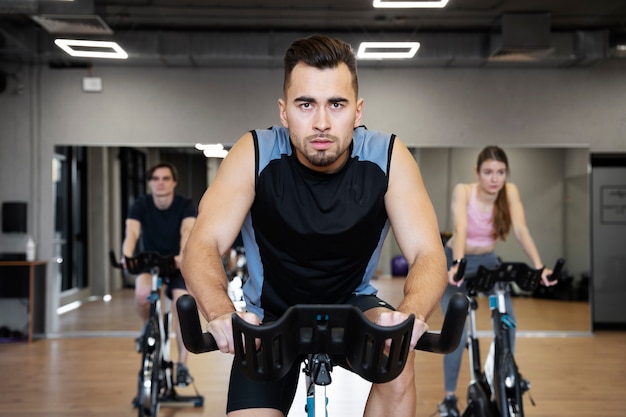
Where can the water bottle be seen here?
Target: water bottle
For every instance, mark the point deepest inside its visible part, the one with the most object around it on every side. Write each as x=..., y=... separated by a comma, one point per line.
x=30, y=249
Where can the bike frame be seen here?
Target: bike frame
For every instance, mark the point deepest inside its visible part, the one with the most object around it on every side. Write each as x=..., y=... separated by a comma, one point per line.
x=507, y=380
x=155, y=385
x=478, y=391
x=508, y=385
x=317, y=371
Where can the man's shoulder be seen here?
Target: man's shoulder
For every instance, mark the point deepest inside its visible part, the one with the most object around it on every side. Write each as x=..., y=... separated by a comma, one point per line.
x=142, y=201
x=275, y=136
x=140, y=207
x=187, y=205
x=372, y=146
x=182, y=198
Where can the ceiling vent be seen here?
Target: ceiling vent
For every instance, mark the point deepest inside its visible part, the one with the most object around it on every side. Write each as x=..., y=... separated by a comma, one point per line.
x=73, y=24
x=524, y=37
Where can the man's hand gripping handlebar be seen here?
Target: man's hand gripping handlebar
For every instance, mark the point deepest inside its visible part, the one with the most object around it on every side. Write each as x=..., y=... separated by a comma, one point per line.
x=376, y=353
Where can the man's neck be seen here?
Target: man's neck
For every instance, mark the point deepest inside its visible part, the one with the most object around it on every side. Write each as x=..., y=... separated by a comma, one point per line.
x=163, y=202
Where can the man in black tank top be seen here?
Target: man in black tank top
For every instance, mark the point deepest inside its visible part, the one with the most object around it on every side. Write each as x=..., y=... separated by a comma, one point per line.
x=314, y=199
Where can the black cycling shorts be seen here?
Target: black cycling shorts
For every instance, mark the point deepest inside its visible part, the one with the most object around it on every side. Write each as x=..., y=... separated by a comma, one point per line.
x=245, y=393
x=173, y=282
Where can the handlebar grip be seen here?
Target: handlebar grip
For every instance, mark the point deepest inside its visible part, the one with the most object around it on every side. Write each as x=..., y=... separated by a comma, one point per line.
x=451, y=331
x=190, y=328
x=460, y=270
x=556, y=271
x=114, y=261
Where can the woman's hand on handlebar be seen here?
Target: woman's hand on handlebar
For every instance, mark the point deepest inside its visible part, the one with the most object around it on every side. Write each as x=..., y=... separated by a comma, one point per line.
x=456, y=273
x=546, y=276
x=222, y=329
x=452, y=276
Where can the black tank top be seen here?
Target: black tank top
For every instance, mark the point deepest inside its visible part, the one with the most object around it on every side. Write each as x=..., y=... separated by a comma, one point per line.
x=312, y=237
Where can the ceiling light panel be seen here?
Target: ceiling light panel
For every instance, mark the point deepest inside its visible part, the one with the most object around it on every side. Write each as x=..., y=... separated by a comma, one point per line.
x=387, y=50
x=91, y=49
x=435, y=4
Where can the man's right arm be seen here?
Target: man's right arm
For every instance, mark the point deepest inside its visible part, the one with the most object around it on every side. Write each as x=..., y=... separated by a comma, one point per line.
x=221, y=214
x=131, y=236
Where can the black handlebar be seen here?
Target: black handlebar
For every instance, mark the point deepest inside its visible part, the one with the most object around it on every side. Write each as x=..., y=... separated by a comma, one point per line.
x=267, y=352
x=526, y=278
x=460, y=270
x=145, y=261
x=556, y=271
x=114, y=262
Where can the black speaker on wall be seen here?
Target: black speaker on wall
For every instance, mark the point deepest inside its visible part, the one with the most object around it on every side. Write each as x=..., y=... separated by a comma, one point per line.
x=14, y=217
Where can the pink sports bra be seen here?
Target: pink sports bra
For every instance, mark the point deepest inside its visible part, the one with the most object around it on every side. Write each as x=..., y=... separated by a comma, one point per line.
x=479, y=224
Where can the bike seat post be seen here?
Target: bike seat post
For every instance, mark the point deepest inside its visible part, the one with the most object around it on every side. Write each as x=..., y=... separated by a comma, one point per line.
x=497, y=300
x=156, y=279
x=318, y=372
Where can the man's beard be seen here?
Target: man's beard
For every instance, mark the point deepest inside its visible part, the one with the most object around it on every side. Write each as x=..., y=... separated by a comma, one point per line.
x=321, y=158
x=325, y=157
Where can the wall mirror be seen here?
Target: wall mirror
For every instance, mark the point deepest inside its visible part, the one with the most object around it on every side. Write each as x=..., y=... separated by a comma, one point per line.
x=553, y=183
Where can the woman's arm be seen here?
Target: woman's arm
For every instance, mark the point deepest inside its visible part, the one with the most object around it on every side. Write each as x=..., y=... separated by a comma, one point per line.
x=458, y=208
x=521, y=231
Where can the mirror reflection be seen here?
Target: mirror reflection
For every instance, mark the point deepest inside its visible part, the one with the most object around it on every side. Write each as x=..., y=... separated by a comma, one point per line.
x=553, y=187
x=553, y=184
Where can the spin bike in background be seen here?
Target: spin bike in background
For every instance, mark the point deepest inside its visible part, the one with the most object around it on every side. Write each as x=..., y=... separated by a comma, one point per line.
x=237, y=274
x=318, y=335
x=155, y=381
x=497, y=392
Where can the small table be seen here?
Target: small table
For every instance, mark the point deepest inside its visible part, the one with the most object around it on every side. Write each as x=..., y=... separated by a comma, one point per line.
x=36, y=299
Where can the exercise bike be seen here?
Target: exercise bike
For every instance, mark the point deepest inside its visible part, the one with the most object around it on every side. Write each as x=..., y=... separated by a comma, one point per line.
x=498, y=392
x=319, y=335
x=155, y=380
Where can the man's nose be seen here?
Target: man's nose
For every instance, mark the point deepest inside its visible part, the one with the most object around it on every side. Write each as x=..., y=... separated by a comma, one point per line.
x=322, y=121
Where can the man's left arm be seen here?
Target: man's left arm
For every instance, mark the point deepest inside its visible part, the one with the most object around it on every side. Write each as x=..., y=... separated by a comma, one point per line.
x=416, y=230
x=185, y=229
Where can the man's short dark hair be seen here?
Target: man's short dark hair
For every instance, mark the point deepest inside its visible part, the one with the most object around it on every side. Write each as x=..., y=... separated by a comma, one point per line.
x=320, y=52
x=171, y=167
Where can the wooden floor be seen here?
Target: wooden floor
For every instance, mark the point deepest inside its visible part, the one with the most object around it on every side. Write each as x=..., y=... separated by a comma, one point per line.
x=576, y=375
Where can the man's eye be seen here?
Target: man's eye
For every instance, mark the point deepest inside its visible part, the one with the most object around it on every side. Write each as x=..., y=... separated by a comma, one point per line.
x=305, y=105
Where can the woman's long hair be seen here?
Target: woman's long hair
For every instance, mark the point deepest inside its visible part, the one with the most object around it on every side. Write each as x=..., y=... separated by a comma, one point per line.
x=501, y=211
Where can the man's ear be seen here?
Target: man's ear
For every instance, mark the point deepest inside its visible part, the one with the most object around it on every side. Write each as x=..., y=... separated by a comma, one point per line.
x=282, y=112
x=359, y=112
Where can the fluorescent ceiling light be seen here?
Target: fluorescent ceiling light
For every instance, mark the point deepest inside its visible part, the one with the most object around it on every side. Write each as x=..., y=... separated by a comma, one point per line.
x=387, y=50
x=212, y=150
x=435, y=4
x=91, y=49
x=68, y=307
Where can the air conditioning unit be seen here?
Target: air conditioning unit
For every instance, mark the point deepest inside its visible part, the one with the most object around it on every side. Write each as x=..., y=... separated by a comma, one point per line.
x=524, y=37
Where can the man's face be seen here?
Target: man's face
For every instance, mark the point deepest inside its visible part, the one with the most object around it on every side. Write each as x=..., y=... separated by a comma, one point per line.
x=162, y=182
x=320, y=109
